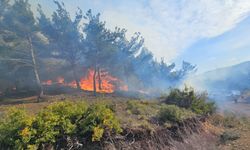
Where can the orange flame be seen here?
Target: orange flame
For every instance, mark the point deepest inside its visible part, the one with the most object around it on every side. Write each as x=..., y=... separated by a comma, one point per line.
x=48, y=82
x=72, y=84
x=60, y=80
x=108, y=83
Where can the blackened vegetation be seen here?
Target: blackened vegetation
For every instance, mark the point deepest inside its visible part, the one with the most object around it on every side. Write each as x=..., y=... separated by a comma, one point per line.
x=35, y=49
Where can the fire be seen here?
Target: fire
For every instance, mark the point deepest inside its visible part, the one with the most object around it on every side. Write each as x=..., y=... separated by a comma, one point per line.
x=48, y=82
x=60, y=80
x=72, y=84
x=106, y=84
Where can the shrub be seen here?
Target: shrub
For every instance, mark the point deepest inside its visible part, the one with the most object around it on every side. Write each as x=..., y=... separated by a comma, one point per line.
x=56, y=120
x=217, y=120
x=231, y=120
x=173, y=113
x=229, y=136
x=20, y=131
x=15, y=129
x=188, y=99
x=97, y=119
x=138, y=107
x=201, y=105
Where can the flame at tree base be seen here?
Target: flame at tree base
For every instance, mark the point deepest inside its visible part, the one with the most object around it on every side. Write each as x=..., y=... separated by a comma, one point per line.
x=108, y=83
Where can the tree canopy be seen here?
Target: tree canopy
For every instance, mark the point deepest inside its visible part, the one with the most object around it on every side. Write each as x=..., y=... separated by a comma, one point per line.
x=35, y=48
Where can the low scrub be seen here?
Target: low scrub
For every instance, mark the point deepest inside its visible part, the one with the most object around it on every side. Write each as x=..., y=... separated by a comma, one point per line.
x=187, y=98
x=97, y=119
x=18, y=130
x=14, y=129
x=227, y=120
x=229, y=136
x=173, y=113
x=57, y=120
x=138, y=107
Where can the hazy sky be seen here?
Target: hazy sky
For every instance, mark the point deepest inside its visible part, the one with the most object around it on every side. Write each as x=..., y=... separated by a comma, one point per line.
x=209, y=33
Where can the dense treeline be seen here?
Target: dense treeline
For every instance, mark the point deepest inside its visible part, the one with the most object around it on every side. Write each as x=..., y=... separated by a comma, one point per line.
x=37, y=48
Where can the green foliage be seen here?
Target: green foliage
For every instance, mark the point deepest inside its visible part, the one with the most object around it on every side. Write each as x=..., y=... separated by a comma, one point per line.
x=200, y=105
x=188, y=99
x=57, y=120
x=137, y=107
x=15, y=129
x=97, y=119
x=20, y=131
x=142, y=107
x=173, y=113
x=73, y=43
x=20, y=42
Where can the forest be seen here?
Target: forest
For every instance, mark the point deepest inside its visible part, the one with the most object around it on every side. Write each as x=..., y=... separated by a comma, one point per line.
x=76, y=51
x=68, y=80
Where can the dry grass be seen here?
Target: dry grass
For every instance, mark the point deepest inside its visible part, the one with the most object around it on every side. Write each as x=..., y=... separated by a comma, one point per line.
x=116, y=103
x=132, y=113
x=142, y=115
x=231, y=124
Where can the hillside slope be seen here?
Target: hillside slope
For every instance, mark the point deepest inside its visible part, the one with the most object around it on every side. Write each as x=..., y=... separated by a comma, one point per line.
x=228, y=79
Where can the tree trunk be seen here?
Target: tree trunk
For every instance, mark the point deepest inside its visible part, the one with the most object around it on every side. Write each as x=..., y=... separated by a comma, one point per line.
x=17, y=83
x=94, y=82
x=76, y=78
x=99, y=78
x=35, y=70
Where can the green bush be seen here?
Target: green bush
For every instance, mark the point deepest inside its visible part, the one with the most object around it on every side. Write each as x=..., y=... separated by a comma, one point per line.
x=56, y=120
x=173, y=113
x=188, y=99
x=137, y=107
x=97, y=119
x=146, y=108
x=20, y=131
x=14, y=129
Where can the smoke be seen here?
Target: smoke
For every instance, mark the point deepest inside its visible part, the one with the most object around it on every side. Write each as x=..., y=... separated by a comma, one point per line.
x=60, y=47
x=225, y=85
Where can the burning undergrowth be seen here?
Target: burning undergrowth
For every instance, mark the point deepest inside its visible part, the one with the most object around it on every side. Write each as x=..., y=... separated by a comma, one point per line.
x=103, y=82
x=55, y=49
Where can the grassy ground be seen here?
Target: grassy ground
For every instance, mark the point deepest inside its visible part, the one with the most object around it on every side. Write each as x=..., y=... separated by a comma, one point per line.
x=141, y=114
x=131, y=112
x=234, y=131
